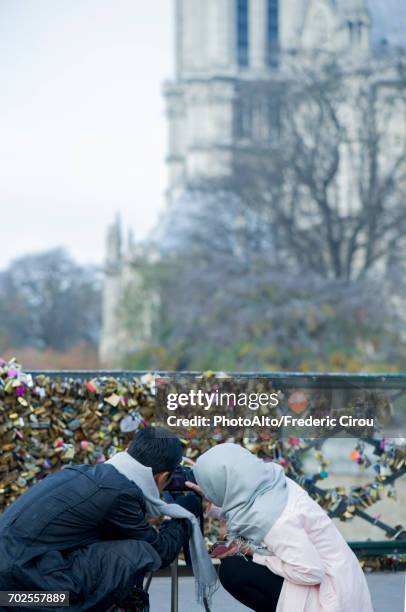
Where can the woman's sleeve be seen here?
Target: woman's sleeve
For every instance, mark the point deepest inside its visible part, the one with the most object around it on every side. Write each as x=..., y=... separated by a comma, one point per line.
x=294, y=556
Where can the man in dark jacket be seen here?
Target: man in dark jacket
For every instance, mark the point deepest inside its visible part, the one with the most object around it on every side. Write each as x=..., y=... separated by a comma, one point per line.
x=84, y=529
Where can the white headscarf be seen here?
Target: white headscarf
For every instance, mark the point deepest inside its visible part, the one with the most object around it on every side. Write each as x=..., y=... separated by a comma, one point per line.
x=251, y=493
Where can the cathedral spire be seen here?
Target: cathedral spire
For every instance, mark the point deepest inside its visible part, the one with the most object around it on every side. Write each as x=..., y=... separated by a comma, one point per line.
x=114, y=243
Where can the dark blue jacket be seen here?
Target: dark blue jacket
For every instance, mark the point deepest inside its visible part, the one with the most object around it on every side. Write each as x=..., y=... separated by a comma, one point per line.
x=64, y=532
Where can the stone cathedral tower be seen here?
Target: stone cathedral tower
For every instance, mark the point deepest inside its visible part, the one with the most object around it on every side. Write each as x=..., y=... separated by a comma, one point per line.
x=224, y=50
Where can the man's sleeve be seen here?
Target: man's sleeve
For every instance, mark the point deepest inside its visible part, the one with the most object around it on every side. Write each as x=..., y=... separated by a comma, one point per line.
x=127, y=520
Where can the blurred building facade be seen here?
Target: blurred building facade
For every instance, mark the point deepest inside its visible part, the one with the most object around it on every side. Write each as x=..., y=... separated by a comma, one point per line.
x=228, y=53
x=122, y=283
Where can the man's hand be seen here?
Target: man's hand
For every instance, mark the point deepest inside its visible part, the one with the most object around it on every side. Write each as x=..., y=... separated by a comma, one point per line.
x=194, y=487
x=154, y=520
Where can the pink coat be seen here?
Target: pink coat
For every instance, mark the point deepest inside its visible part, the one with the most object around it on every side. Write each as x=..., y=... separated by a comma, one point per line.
x=321, y=573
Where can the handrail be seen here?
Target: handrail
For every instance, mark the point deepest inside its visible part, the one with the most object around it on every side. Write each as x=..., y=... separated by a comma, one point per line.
x=308, y=380
x=327, y=376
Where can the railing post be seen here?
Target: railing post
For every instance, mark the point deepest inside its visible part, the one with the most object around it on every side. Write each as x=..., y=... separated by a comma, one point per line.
x=174, y=586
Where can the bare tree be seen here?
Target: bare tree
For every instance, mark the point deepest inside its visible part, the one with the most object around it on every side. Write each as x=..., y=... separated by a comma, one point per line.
x=226, y=302
x=335, y=183
x=47, y=301
x=296, y=257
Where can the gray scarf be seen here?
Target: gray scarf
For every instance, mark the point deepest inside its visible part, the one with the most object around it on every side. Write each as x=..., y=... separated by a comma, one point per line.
x=203, y=570
x=251, y=493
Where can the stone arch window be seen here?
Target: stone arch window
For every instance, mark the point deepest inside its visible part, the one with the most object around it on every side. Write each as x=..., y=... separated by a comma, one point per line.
x=351, y=29
x=273, y=109
x=360, y=30
x=273, y=31
x=356, y=31
x=257, y=118
x=243, y=119
x=242, y=32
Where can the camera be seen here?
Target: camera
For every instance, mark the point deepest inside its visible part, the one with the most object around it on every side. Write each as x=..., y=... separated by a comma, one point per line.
x=177, y=492
x=178, y=479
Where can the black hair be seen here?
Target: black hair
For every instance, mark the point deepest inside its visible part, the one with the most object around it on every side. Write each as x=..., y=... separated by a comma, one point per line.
x=156, y=448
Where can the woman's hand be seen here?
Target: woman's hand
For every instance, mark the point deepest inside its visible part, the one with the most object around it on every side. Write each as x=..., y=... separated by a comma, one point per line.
x=247, y=551
x=225, y=555
x=223, y=551
x=233, y=550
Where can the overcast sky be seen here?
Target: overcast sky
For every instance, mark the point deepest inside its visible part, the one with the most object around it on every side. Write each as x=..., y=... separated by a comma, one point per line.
x=82, y=124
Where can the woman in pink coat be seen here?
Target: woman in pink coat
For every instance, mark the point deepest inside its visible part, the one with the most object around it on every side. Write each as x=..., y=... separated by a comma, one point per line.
x=291, y=556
